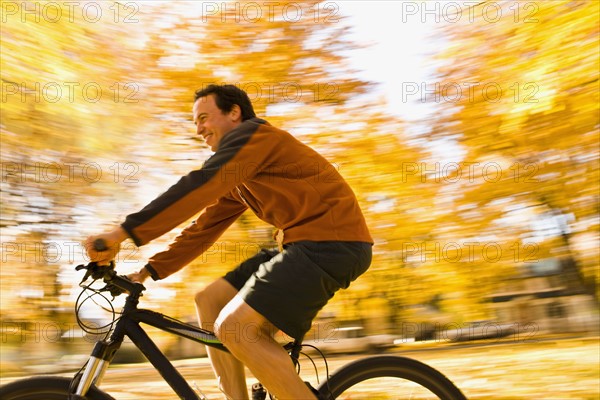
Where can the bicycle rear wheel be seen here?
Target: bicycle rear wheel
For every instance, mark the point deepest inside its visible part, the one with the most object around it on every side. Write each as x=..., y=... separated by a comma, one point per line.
x=386, y=378
x=45, y=388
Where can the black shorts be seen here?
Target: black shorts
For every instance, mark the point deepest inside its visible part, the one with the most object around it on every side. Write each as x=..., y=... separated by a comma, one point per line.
x=289, y=288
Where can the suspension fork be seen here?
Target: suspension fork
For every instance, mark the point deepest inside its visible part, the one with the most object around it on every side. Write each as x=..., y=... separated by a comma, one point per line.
x=96, y=366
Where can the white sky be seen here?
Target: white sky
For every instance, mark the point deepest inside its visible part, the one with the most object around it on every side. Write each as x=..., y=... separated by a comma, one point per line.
x=398, y=52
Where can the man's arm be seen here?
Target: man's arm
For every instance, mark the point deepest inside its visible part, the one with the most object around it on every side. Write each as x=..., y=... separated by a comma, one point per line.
x=193, y=241
x=196, y=238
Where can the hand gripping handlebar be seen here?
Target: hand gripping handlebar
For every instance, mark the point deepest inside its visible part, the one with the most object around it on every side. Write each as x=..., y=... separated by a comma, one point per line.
x=116, y=284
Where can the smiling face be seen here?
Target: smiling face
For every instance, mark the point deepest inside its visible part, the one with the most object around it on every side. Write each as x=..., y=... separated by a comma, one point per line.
x=212, y=123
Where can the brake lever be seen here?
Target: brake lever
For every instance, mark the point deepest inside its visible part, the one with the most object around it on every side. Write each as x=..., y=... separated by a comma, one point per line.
x=114, y=290
x=95, y=271
x=88, y=272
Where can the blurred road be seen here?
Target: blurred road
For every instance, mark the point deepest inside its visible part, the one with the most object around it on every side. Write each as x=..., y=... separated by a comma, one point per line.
x=566, y=368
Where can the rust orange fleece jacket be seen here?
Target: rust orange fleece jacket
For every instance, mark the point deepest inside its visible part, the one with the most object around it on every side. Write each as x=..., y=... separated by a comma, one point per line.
x=284, y=182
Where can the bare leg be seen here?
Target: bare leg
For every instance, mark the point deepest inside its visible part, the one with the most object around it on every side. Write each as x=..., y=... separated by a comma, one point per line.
x=249, y=337
x=228, y=370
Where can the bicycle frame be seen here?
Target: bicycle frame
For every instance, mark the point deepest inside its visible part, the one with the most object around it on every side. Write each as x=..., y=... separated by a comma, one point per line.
x=129, y=325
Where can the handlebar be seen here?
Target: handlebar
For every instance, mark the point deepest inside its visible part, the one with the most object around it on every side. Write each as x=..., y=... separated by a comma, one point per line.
x=115, y=284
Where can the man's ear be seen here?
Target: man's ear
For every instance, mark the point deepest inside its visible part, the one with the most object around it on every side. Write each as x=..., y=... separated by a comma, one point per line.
x=235, y=113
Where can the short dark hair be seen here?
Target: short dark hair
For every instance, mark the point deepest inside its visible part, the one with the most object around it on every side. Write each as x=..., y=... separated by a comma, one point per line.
x=226, y=96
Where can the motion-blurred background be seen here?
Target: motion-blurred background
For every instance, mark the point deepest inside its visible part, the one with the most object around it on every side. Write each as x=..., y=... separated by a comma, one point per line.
x=468, y=130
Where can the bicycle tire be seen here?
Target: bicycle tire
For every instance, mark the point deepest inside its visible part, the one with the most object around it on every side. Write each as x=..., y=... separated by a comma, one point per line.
x=400, y=373
x=45, y=388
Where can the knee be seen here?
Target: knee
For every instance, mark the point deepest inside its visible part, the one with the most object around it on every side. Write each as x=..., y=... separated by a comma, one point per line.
x=239, y=327
x=227, y=328
x=236, y=332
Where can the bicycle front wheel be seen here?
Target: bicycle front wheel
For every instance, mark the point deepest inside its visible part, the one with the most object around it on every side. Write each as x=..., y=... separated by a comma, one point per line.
x=45, y=388
x=386, y=378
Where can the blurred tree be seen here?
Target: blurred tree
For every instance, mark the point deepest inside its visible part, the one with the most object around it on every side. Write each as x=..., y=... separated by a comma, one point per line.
x=520, y=94
x=69, y=92
x=65, y=69
x=288, y=53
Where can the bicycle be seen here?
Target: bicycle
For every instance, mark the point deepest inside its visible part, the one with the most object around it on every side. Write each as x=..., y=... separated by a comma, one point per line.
x=374, y=377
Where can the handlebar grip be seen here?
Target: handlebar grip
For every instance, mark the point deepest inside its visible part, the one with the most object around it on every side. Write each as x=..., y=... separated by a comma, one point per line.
x=100, y=245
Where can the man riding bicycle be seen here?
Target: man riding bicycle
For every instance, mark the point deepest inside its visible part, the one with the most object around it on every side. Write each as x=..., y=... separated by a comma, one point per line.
x=324, y=240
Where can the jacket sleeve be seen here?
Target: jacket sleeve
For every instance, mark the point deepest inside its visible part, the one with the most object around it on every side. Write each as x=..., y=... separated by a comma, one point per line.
x=196, y=238
x=237, y=159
